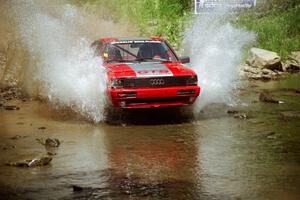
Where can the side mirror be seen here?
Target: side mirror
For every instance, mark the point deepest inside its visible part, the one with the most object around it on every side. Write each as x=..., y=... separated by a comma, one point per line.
x=184, y=59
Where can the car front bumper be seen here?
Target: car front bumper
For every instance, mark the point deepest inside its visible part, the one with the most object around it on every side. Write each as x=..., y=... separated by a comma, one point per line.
x=154, y=97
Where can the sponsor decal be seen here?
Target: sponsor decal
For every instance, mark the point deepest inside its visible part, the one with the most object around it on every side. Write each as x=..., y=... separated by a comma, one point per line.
x=150, y=70
x=136, y=41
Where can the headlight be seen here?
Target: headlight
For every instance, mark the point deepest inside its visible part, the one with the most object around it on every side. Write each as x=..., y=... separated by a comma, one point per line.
x=193, y=80
x=116, y=83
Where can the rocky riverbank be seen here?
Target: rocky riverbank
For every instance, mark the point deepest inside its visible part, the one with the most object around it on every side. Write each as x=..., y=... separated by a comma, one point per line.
x=267, y=65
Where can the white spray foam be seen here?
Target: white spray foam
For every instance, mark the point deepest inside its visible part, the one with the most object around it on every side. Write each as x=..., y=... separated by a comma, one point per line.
x=216, y=48
x=64, y=64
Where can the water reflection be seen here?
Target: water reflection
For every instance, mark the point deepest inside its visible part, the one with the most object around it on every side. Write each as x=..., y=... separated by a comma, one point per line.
x=160, y=163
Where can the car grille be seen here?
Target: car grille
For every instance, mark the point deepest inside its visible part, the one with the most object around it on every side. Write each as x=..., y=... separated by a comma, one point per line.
x=154, y=82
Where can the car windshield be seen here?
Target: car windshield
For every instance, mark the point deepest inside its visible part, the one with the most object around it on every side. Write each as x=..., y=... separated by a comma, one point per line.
x=138, y=51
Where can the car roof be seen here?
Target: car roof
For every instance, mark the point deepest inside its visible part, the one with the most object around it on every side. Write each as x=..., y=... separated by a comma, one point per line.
x=118, y=39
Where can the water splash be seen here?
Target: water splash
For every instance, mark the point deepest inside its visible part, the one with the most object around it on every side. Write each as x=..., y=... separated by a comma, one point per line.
x=216, y=48
x=63, y=65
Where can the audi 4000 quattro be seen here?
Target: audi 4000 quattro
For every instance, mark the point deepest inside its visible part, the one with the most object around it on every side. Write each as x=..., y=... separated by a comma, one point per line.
x=146, y=72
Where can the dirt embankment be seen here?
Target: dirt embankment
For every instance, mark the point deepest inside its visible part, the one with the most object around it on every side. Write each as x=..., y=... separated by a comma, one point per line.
x=12, y=55
x=17, y=65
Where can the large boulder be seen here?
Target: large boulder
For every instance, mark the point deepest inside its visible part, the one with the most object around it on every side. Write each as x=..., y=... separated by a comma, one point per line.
x=262, y=58
x=293, y=62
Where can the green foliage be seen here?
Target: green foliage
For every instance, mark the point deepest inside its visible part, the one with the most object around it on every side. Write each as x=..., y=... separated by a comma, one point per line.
x=164, y=18
x=277, y=25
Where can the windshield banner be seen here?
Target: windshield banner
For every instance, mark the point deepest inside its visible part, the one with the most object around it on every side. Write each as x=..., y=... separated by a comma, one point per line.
x=210, y=5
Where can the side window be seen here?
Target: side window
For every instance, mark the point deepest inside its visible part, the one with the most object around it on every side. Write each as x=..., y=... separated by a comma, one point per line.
x=98, y=47
x=112, y=53
x=170, y=52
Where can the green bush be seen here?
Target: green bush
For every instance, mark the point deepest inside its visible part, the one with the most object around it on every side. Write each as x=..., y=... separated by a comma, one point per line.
x=276, y=24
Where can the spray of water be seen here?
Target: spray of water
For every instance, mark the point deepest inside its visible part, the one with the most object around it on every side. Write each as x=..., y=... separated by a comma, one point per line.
x=62, y=63
x=216, y=48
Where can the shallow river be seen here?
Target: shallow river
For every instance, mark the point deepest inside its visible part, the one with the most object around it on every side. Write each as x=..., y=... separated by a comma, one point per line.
x=158, y=154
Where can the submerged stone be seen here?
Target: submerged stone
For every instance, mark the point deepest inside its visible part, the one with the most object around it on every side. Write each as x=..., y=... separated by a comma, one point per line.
x=265, y=97
x=232, y=111
x=77, y=188
x=8, y=146
x=42, y=128
x=16, y=137
x=11, y=107
x=291, y=114
x=49, y=142
x=35, y=162
x=241, y=116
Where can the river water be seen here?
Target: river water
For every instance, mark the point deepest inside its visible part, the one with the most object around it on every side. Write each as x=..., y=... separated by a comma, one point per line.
x=158, y=154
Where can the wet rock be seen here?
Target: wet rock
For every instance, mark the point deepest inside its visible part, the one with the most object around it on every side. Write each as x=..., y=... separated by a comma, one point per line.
x=255, y=73
x=8, y=147
x=52, y=142
x=290, y=67
x=265, y=97
x=49, y=142
x=290, y=114
x=10, y=93
x=42, y=128
x=11, y=107
x=50, y=153
x=293, y=63
x=267, y=71
x=51, y=145
x=232, y=111
x=252, y=70
x=123, y=125
x=16, y=137
x=77, y=188
x=240, y=116
x=266, y=65
x=255, y=77
x=35, y=162
x=271, y=135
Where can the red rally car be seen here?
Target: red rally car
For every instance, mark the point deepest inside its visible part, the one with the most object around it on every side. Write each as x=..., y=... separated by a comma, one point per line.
x=145, y=73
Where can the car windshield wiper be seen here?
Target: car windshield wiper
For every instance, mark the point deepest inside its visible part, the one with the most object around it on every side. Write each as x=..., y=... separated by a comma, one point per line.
x=119, y=60
x=153, y=59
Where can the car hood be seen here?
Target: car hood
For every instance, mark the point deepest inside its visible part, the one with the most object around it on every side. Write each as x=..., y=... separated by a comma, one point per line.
x=149, y=69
